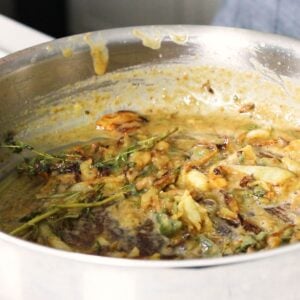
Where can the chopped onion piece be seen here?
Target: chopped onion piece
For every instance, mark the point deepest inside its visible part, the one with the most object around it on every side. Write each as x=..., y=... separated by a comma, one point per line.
x=273, y=175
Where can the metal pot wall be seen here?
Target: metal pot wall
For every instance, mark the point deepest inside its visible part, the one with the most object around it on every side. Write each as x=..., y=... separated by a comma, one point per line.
x=27, y=78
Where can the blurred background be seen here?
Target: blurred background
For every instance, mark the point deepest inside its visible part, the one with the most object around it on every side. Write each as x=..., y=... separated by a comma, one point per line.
x=59, y=18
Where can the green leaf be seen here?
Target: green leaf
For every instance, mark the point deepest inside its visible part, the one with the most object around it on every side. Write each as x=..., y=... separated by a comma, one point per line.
x=167, y=226
x=247, y=242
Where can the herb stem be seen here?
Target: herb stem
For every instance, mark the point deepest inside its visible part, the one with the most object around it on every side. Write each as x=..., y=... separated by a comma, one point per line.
x=139, y=146
x=91, y=204
x=57, y=208
x=44, y=154
x=35, y=221
x=21, y=146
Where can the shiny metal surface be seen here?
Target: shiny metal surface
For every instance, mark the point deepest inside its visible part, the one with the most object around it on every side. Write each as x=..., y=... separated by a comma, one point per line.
x=29, y=271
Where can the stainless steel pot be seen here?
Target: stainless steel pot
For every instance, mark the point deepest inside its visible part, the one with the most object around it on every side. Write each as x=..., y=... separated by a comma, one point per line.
x=27, y=78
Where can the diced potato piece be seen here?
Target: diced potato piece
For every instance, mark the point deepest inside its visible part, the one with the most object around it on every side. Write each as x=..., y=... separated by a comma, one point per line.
x=293, y=146
x=160, y=161
x=144, y=183
x=227, y=214
x=273, y=175
x=113, y=182
x=132, y=174
x=273, y=241
x=127, y=214
x=295, y=203
x=249, y=154
x=66, y=179
x=148, y=198
x=257, y=134
x=292, y=165
x=194, y=180
x=87, y=171
x=140, y=158
x=197, y=180
x=162, y=146
x=292, y=150
x=216, y=177
x=296, y=236
x=244, y=155
x=217, y=182
x=51, y=239
x=102, y=241
x=155, y=256
x=189, y=210
x=81, y=187
x=135, y=252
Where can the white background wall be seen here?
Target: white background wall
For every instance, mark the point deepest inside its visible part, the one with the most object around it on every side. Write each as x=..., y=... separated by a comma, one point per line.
x=87, y=15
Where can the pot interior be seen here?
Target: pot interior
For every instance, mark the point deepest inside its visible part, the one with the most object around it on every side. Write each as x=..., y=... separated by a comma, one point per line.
x=46, y=91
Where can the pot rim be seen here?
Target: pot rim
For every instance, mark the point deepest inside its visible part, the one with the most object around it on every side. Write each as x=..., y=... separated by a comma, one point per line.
x=125, y=35
x=149, y=264
x=121, y=35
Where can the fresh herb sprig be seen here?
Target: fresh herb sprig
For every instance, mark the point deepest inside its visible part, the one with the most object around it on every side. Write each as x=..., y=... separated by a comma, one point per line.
x=122, y=158
x=43, y=162
x=76, y=202
x=19, y=146
x=32, y=222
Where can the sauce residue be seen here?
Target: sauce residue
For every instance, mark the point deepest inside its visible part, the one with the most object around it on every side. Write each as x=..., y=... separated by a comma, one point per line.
x=151, y=39
x=179, y=39
x=67, y=52
x=99, y=54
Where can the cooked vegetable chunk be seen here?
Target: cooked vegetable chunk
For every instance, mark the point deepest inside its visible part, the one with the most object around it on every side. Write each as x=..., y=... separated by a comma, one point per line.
x=122, y=121
x=155, y=187
x=273, y=175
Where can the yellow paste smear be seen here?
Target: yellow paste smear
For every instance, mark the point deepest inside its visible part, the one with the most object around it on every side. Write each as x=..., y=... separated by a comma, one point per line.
x=99, y=54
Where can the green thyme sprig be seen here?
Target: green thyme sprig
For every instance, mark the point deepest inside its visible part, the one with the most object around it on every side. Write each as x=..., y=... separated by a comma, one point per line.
x=76, y=202
x=43, y=162
x=19, y=146
x=121, y=159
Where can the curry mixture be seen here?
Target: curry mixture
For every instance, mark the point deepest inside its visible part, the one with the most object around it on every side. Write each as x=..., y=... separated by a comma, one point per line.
x=161, y=186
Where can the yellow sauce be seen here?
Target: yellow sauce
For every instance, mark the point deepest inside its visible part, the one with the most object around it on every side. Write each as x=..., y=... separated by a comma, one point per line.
x=99, y=54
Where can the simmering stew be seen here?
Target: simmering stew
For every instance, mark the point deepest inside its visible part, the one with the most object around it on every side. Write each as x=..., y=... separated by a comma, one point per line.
x=160, y=186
